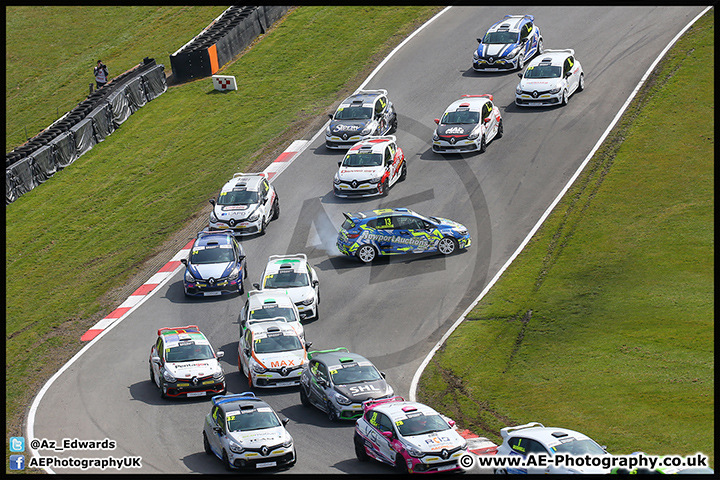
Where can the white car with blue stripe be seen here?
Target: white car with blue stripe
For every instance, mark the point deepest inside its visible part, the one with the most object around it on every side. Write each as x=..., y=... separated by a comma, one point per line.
x=508, y=44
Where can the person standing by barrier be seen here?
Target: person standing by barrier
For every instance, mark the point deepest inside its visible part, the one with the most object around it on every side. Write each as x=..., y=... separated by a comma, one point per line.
x=101, y=74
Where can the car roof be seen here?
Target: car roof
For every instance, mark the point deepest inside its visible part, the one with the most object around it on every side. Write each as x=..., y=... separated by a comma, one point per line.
x=547, y=435
x=372, y=144
x=554, y=57
x=257, y=298
x=271, y=328
x=511, y=23
x=244, y=181
x=294, y=263
x=238, y=401
x=365, y=98
x=337, y=356
x=397, y=408
x=213, y=239
x=469, y=102
x=370, y=214
x=174, y=336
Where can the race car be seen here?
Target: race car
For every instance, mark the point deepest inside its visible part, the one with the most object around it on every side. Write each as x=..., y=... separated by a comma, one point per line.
x=245, y=205
x=410, y=436
x=508, y=44
x=468, y=125
x=337, y=382
x=245, y=432
x=535, y=438
x=364, y=113
x=272, y=354
x=215, y=265
x=550, y=79
x=182, y=363
x=293, y=275
x=264, y=306
x=394, y=231
x=370, y=168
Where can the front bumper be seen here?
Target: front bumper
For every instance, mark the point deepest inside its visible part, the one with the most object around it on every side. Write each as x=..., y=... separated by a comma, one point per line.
x=363, y=190
x=204, y=289
x=461, y=146
x=251, y=458
x=240, y=229
x=204, y=387
x=483, y=65
x=273, y=379
x=542, y=100
x=337, y=142
x=307, y=311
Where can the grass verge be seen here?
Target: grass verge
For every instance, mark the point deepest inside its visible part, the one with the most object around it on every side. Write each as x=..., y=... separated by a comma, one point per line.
x=604, y=323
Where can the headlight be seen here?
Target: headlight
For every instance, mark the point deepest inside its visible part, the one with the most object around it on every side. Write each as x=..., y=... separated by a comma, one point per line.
x=436, y=137
x=476, y=56
x=556, y=89
x=342, y=399
x=258, y=368
x=309, y=300
x=513, y=53
x=287, y=443
x=463, y=445
x=518, y=89
x=168, y=376
x=375, y=179
x=189, y=276
x=462, y=232
x=328, y=133
x=235, y=448
x=413, y=452
x=336, y=180
x=368, y=129
x=254, y=216
x=213, y=218
x=234, y=273
x=219, y=375
x=389, y=392
x=474, y=135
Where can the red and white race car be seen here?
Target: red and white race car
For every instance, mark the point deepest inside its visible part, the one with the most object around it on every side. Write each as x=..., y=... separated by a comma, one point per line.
x=370, y=168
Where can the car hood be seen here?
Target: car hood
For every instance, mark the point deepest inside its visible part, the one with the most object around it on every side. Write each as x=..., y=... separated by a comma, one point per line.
x=196, y=368
x=208, y=270
x=359, y=173
x=451, y=129
x=296, y=294
x=497, y=50
x=238, y=212
x=540, y=84
x=351, y=127
x=450, y=224
x=359, y=392
x=258, y=438
x=435, y=442
x=293, y=358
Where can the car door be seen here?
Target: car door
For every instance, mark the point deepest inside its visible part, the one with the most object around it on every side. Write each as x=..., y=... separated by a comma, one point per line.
x=384, y=230
x=489, y=121
x=318, y=374
x=381, y=113
x=314, y=281
x=157, y=351
x=412, y=237
x=523, y=447
x=391, y=163
x=245, y=347
x=381, y=423
x=571, y=78
x=218, y=423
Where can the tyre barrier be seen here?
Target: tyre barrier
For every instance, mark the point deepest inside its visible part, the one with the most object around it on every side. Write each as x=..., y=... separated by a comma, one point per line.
x=89, y=123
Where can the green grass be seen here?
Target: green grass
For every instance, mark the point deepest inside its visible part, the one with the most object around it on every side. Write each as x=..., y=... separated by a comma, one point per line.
x=604, y=323
x=90, y=227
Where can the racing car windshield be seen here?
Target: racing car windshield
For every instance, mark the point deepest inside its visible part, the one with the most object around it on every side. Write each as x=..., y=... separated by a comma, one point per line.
x=188, y=353
x=579, y=447
x=281, y=343
x=252, y=421
x=240, y=197
x=274, y=311
x=461, y=118
x=211, y=255
x=286, y=280
x=421, y=425
x=501, y=37
x=354, y=113
x=543, y=71
x=363, y=160
x=355, y=374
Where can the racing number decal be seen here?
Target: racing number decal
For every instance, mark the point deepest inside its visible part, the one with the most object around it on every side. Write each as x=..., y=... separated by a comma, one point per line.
x=373, y=419
x=388, y=223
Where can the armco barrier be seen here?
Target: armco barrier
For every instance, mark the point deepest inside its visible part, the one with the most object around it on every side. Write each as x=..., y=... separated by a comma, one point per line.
x=86, y=125
x=227, y=36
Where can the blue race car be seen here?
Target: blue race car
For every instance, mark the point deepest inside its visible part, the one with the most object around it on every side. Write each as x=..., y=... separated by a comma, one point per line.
x=508, y=44
x=394, y=231
x=215, y=266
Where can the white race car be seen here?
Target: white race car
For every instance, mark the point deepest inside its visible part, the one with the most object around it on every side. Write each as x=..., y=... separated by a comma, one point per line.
x=468, y=125
x=293, y=275
x=536, y=439
x=271, y=354
x=182, y=363
x=276, y=306
x=366, y=112
x=550, y=79
x=245, y=205
x=370, y=168
x=245, y=432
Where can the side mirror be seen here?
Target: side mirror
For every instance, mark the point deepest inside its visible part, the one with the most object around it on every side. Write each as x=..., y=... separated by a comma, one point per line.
x=285, y=421
x=520, y=74
x=437, y=121
x=241, y=257
x=308, y=345
x=339, y=163
x=479, y=40
x=451, y=423
x=257, y=286
x=315, y=283
x=183, y=261
x=568, y=74
x=217, y=429
x=247, y=352
x=219, y=354
x=330, y=115
x=212, y=201
x=387, y=434
x=486, y=120
x=382, y=374
x=156, y=360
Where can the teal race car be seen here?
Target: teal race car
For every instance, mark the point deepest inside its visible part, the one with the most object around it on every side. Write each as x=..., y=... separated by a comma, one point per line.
x=395, y=231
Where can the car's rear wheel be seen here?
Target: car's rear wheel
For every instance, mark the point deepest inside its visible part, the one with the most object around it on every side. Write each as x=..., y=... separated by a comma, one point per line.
x=366, y=253
x=206, y=444
x=226, y=461
x=483, y=145
x=304, y=400
x=360, y=452
x=447, y=245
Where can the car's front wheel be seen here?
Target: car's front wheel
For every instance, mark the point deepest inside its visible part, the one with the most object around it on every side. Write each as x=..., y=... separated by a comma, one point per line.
x=304, y=400
x=331, y=412
x=500, y=129
x=393, y=126
x=403, y=171
x=383, y=188
x=581, y=85
x=540, y=48
x=366, y=253
x=276, y=209
x=564, y=98
x=521, y=62
x=152, y=375
x=226, y=461
x=400, y=464
x=360, y=452
x=483, y=145
x=447, y=245
x=206, y=444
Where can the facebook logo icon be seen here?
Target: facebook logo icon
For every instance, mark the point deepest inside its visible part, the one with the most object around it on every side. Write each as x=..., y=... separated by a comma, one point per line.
x=17, y=444
x=17, y=462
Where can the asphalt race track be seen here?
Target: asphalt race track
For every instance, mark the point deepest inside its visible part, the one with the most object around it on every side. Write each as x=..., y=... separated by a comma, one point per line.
x=394, y=311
